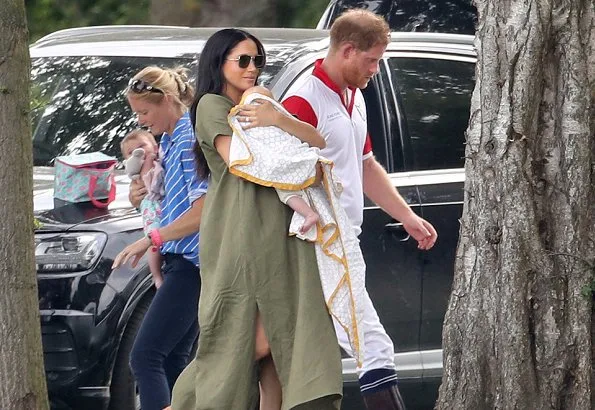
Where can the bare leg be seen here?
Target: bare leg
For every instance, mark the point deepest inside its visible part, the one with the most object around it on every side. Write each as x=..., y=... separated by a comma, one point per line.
x=155, y=267
x=270, y=386
x=262, y=348
x=298, y=204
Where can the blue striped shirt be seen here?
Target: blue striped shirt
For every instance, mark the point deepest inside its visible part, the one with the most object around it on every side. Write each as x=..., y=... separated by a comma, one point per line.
x=183, y=186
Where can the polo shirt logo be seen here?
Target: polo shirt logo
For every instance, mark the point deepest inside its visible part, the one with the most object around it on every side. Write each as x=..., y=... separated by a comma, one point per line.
x=333, y=116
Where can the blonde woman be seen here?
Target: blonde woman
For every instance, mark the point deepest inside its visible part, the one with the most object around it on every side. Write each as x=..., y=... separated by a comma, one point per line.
x=159, y=98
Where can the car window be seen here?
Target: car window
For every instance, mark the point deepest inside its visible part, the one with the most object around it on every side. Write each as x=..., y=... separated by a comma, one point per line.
x=78, y=103
x=452, y=16
x=375, y=114
x=436, y=96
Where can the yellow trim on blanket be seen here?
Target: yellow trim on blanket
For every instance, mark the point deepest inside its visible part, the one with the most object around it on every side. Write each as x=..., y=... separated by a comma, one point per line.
x=327, y=180
x=246, y=161
x=278, y=185
x=321, y=230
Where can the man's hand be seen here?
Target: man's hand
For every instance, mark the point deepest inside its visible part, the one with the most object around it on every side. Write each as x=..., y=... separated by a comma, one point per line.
x=137, y=192
x=379, y=188
x=421, y=230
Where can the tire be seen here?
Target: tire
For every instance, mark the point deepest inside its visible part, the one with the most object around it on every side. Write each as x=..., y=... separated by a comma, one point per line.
x=124, y=394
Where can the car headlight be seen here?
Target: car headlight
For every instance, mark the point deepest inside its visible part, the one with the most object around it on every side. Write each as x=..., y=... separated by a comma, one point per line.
x=68, y=252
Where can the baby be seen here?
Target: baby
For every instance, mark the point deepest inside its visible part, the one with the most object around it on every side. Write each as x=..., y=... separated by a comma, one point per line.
x=294, y=199
x=270, y=156
x=140, y=152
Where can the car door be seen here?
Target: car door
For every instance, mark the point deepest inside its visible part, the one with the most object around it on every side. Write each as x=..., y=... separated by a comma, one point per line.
x=393, y=276
x=434, y=94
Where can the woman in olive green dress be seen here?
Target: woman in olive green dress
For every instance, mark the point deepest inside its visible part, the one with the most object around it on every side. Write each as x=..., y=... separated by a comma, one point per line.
x=254, y=276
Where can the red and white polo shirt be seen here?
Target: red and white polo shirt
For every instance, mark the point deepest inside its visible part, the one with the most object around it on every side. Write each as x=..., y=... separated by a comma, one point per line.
x=342, y=123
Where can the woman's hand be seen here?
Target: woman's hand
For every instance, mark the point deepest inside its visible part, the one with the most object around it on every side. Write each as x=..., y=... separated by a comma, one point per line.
x=258, y=115
x=265, y=114
x=136, y=192
x=134, y=251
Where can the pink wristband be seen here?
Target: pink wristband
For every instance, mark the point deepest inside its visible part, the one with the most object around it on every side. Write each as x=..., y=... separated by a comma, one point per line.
x=155, y=238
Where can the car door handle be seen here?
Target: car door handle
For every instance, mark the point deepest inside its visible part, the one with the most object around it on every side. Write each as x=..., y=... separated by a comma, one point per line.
x=398, y=229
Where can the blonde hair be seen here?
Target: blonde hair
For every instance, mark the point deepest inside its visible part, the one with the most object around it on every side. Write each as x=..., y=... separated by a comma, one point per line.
x=360, y=27
x=171, y=81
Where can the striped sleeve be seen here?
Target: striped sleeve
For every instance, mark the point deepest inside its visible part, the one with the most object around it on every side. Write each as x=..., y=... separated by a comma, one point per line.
x=197, y=186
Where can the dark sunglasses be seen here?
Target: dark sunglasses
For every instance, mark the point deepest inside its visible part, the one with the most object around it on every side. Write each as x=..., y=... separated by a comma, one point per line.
x=244, y=60
x=140, y=86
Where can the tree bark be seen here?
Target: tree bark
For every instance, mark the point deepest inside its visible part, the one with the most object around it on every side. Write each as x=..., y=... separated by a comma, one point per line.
x=214, y=13
x=22, y=377
x=518, y=333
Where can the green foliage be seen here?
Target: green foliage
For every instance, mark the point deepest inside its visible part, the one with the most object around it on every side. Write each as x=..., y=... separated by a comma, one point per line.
x=588, y=291
x=46, y=16
x=305, y=13
x=36, y=224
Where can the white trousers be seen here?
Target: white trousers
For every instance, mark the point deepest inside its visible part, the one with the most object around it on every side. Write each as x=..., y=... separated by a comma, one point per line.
x=379, y=352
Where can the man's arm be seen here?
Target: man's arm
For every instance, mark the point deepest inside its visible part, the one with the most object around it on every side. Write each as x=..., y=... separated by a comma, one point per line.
x=379, y=188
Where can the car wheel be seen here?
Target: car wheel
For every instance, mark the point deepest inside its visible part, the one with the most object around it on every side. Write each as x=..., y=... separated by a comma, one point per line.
x=124, y=392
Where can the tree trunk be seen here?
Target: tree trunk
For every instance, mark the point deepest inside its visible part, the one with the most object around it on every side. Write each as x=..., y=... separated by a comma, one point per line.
x=214, y=13
x=22, y=379
x=518, y=332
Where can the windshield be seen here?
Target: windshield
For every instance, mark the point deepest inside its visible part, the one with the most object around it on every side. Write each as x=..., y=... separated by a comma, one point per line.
x=78, y=103
x=453, y=16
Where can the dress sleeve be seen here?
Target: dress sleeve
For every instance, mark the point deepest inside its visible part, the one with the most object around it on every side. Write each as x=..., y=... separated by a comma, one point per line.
x=211, y=118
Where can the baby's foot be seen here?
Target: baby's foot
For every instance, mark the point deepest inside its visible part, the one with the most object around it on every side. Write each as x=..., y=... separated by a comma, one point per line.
x=309, y=221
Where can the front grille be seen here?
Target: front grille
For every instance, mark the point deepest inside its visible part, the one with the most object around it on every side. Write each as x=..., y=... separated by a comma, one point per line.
x=59, y=353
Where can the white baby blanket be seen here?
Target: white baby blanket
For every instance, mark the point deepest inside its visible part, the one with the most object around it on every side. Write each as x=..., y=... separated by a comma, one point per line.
x=271, y=157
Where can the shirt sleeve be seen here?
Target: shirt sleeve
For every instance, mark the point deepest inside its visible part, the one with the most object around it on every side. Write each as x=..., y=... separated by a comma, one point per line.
x=196, y=185
x=367, y=148
x=302, y=109
x=211, y=118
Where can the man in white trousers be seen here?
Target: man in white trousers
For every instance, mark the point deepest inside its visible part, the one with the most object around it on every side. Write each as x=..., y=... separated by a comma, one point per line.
x=331, y=100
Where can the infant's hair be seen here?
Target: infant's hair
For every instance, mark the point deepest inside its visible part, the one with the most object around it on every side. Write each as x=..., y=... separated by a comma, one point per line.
x=260, y=90
x=135, y=135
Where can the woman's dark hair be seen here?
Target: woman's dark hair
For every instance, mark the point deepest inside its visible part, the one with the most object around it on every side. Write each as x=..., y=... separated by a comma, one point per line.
x=210, y=78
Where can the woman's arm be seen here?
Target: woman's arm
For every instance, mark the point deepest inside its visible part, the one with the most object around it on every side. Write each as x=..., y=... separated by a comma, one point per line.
x=222, y=144
x=265, y=115
x=185, y=225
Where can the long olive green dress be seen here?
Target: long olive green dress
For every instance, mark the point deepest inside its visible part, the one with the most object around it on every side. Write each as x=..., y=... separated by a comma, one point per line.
x=248, y=263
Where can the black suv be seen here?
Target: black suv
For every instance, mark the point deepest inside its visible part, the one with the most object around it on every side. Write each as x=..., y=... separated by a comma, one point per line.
x=452, y=16
x=418, y=108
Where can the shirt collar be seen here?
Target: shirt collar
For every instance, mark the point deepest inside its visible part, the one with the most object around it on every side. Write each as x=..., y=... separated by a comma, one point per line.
x=323, y=76
x=176, y=135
